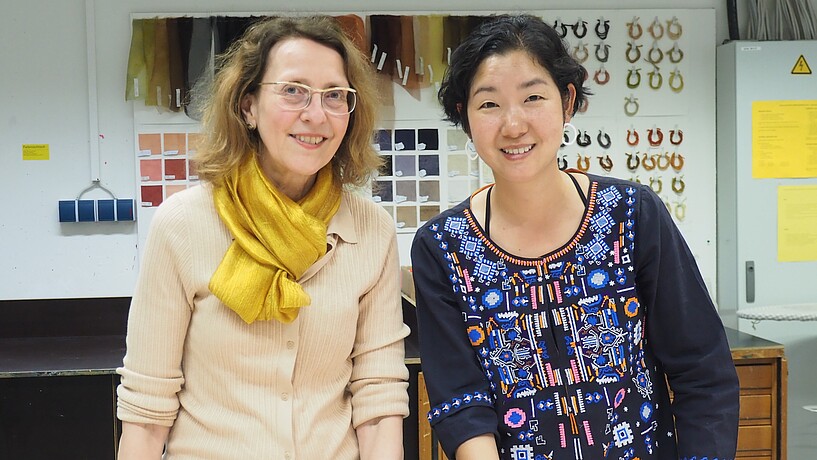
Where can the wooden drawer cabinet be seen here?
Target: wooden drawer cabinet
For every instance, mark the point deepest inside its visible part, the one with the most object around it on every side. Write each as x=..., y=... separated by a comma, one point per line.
x=762, y=371
x=430, y=449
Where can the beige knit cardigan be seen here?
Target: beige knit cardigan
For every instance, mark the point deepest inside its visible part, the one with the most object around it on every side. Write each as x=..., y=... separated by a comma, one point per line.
x=266, y=390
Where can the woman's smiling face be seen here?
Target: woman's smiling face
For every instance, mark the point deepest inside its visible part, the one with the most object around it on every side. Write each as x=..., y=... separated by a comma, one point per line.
x=297, y=144
x=516, y=116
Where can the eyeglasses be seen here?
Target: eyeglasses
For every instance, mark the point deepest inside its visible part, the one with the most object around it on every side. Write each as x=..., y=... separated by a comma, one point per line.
x=296, y=96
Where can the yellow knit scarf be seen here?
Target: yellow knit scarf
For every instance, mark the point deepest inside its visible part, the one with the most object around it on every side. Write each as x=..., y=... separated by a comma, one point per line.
x=275, y=241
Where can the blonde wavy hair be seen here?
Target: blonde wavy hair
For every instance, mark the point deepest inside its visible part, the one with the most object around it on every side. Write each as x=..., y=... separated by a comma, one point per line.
x=226, y=140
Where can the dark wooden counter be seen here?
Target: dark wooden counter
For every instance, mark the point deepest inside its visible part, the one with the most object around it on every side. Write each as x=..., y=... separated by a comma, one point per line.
x=61, y=356
x=58, y=378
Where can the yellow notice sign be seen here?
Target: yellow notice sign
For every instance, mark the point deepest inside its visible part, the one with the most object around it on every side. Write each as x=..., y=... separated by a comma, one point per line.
x=796, y=223
x=784, y=139
x=801, y=67
x=35, y=152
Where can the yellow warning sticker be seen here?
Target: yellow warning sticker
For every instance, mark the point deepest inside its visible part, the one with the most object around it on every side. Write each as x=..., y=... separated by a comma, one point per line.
x=801, y=67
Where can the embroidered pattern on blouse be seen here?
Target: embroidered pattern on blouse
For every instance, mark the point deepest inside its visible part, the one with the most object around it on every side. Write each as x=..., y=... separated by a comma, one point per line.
x=561, y=335
x=705, y=458
x=469, y=218
x=459, y=402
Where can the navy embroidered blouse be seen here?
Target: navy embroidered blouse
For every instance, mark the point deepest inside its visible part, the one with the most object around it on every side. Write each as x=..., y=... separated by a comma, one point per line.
x=568, y=356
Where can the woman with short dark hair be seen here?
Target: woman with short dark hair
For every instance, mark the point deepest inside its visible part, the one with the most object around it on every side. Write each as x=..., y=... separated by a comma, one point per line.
x=556, y=309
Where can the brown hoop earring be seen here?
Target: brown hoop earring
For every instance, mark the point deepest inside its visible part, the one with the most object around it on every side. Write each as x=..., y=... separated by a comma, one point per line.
x=660, y=137
x=676, y=87
x=580, y=53
x=672, y=139
x=681, y=210
x=633, y=161
x=633, y=72
x=679, y=30
x=663, y=166
x=632, y=141
x=630, y=106
x=678, y=185
x=606, y=163
x=652, y=29
x=631, y=29
x=598, y=76
x=660, y=80
x=675, y=54
x=583, y=162
x=648, y=162
x=656, y=185
x=677, y=162
x=655, y=49
x=636, y=49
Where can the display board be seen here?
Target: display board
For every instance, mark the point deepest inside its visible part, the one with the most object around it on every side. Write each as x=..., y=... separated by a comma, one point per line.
x=49, y=104
x=650, y=119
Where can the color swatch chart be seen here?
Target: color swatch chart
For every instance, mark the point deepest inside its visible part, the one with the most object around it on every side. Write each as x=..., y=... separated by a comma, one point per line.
x=164, y=167
x=426, y=170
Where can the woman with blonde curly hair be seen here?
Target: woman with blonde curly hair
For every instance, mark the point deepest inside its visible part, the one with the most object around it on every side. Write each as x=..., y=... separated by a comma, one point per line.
x=266, y=321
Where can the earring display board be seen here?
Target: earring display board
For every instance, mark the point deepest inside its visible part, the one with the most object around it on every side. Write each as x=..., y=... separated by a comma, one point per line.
x=651, y=119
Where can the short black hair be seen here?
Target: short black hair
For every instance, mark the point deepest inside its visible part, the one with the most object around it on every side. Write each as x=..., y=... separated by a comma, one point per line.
x=500, y=35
